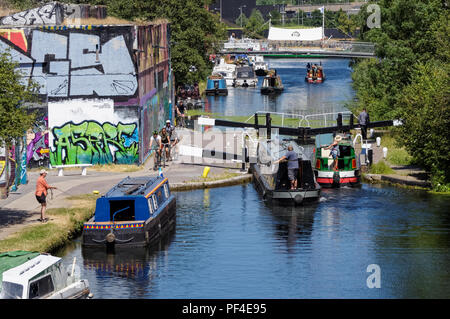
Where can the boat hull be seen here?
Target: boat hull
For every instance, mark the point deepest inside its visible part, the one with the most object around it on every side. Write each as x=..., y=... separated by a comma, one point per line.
x=271, y=90
x=217, y=92
x=283, y=197
x=132, y=233
x=338, y=179
x=317, y=80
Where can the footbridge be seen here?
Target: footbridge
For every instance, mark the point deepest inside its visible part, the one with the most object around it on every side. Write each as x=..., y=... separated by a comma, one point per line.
x=299, y=49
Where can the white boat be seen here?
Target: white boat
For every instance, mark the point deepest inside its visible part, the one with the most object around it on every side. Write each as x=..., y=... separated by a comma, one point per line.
x=43, y=277
x=260, y=66
x=245, y=77
x=228, y=71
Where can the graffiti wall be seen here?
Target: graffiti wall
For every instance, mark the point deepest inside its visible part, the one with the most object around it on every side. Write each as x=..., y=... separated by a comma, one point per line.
x=155, y=83
x=72, y=63
x=96, y=133
x=53, y=13
x=104, y=89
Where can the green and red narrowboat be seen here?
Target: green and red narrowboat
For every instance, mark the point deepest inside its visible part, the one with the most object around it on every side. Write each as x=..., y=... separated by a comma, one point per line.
x=348, y=173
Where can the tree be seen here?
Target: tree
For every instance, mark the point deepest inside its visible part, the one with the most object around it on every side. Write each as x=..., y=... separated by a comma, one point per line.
x=255, y=25
x=409, y=78
x=14, y=93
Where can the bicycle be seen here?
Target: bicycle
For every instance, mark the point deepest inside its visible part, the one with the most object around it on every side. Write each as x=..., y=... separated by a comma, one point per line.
x=164, y=155
x=157, y=158
x=180, y=120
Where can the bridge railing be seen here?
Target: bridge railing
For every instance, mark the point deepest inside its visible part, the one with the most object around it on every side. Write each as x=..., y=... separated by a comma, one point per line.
x=294, y=45
x=300, y=120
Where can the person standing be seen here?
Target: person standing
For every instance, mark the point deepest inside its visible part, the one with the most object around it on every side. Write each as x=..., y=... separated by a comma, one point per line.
x=363, y=120
x=292, y=158
x=334, y=147
x=41, y=193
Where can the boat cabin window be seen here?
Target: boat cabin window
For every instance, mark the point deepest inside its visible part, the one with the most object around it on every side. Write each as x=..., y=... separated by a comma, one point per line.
x=166, y=190
x=11, y=290
x=41, y=287
x=121, y=210
x=155, y=202
x=150, y=205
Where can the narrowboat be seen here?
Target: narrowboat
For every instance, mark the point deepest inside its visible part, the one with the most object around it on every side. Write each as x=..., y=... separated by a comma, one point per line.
x=272, y=182
x=348, y=173
x=216, y=85
x=30, y=275
x=314, y=73
x=245, y=77
x=272, y=83
x=135, y=212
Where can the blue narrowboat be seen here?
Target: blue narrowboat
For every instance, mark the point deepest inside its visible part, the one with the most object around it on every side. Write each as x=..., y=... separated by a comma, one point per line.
x=216, y=85
x=136, y=212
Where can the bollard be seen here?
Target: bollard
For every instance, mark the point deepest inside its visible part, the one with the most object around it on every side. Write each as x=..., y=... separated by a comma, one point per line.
x=371, y=133
x=205, y=171
x=378, y=141
x=385, y=152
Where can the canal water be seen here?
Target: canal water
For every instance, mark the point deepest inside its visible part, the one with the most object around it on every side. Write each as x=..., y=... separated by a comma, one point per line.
x=229, y=244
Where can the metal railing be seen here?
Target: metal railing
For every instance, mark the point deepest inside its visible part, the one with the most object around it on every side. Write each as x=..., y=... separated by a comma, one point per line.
x=295, y=45
x=308, y=120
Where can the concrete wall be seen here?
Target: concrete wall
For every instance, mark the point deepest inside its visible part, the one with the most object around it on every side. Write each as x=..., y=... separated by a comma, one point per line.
x=104, y=89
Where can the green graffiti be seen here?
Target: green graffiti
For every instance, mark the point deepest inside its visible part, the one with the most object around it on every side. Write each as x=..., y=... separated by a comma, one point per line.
x=92, y=143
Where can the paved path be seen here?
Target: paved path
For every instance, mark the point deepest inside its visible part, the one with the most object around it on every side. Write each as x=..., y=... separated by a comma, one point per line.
x=405, y=175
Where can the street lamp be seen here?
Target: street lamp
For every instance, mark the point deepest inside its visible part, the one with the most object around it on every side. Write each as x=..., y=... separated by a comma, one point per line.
x=240, y=8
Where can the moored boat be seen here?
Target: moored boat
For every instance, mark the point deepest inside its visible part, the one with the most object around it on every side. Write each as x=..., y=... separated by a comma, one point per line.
x=272, y=83
x=227, y=70
x=31, y=275
x=216, y=85
x=348, y=172
x=245, y=77
x=135, y=212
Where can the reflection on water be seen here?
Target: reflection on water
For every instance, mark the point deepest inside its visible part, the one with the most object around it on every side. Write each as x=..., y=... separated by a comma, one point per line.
x=297, y=97
x=229, y=244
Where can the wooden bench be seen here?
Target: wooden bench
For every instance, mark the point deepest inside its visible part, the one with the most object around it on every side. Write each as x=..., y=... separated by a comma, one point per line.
x=83, y=168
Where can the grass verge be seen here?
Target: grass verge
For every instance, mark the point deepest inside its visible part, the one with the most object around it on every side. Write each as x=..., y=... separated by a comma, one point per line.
x=64, y=224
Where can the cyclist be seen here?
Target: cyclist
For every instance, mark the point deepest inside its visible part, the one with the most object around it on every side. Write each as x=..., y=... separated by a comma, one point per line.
x=156, y=139
x=180, y=109
x=170, y=128
x=165, y=141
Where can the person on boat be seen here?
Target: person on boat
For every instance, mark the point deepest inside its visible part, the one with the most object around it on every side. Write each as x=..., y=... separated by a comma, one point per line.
x=41, y=193
x=156, y=139
x=363, y=120
x=165, y=141
x=292, y=158
x=334, y=147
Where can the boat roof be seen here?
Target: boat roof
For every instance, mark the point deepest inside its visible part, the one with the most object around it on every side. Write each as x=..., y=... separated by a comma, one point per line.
x=30, y=269
x=134, y=186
